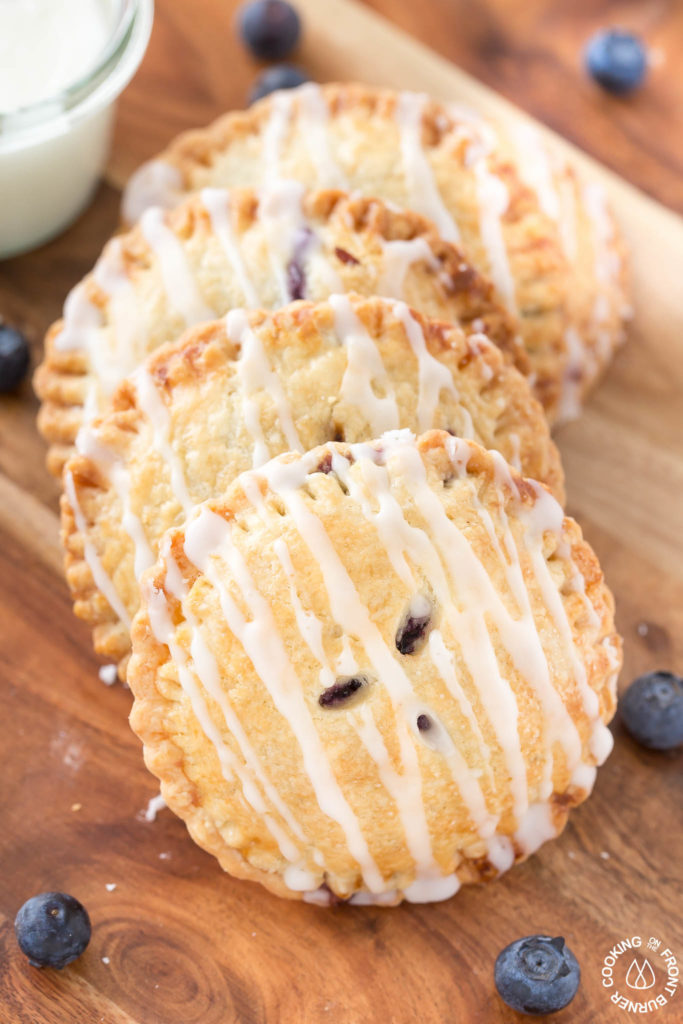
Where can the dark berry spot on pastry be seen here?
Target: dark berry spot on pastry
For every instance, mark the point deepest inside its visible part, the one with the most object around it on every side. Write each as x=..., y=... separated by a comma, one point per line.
x=296, y=273
x=414, y=629
x=424, y=723
x=338, y=433
x=345, y=257
x=325, y=464
x=341, y=691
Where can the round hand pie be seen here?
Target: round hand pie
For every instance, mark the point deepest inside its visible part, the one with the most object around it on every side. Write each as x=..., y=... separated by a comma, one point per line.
x=375, y=671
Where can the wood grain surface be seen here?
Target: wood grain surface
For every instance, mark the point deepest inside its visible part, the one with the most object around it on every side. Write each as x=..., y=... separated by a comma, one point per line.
x=176, y=941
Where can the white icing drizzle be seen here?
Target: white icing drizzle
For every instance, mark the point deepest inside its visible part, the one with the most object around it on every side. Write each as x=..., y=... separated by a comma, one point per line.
x=493, y=201
x=405, y=789
x=274, y=133
x=364, y=366
x=252, y=771
x=163, y=630
x=545, y=515
x=256, y=375
x=314, y=117
x=216, y=202
x=205, y=535
x=155, y=183
x=102, y=580
x=282, y=219
x=179, y=284
x=87, y=443
x=81, y=321
x=152, y=406
x=309, y=624
x=607, y=262
x=514, y=458
x=115, y=360
x=433, y=376
x=398, y=256
x=466, y=575
x=112, y=353
x=423, y=191
x=349, y=611
x=535, y=168
x=569, y=407
x=535, y=828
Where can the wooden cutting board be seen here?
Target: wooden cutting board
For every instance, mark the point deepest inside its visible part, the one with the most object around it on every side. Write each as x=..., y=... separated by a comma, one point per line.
x=176, y=941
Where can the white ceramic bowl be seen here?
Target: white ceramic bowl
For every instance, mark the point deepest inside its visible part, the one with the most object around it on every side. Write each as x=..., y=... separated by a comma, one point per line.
x=52, y=153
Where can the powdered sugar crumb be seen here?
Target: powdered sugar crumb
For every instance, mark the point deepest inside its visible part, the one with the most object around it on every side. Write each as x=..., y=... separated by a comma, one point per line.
x=156, y=804
x=110, y=886
x=108, y=674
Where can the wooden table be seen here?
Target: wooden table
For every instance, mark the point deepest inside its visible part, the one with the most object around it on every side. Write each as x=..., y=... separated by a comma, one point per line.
x=175, y=940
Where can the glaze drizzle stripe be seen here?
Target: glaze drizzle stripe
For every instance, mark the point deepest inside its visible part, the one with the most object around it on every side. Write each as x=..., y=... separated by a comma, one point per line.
x=457, y=581
x=256, y=375
x=364, y=366
x=216, y=202
x=423, y=192
x=178, y=280
x=102, y=581
x=203, y=664
x=433, y=376
x=403, y=794
x=205, y=535
x=313, y=122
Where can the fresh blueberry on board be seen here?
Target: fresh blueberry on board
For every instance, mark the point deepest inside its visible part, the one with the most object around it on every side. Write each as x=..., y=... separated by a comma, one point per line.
x=537, y=974
x=652, y=710
x=269, y=28
x=280, y=76
x=52, y=929
x=14, y=358
x=617, y=60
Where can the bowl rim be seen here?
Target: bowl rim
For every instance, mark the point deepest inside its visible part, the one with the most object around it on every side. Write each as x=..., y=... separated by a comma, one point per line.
x=97, y=87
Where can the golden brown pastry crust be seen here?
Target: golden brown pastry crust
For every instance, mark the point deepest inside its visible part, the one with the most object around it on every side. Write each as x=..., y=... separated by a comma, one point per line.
x=198, y=382
x=196, y=583
x=352, y=234
x=556, y=286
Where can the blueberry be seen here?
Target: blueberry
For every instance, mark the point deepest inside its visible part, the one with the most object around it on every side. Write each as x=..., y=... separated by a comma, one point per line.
x=14, y=357
x=412, y=633
x=52, y=929
x=269, y=28
x=280, y=76
x=617, y=60
x=652, y=710
x=342, y=690
x=537, y=974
